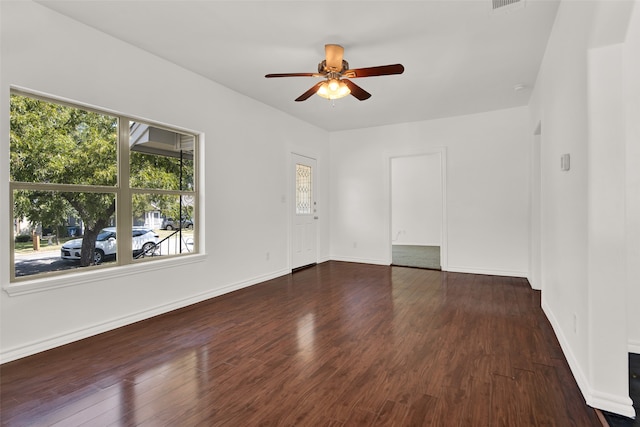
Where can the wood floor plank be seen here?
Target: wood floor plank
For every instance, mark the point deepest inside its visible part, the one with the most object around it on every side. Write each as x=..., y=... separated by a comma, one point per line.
x=360, y=417
x=504, y=407
x=478, y=410
x=391, y=414
x=338, y=344
x=421, y=410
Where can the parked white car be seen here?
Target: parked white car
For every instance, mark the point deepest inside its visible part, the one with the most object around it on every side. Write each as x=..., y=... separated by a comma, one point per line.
x=144, y=240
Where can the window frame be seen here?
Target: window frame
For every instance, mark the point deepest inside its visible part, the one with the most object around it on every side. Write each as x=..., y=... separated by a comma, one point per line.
x=125, y=262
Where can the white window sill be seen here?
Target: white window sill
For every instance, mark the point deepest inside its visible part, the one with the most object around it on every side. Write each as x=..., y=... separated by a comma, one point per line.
x=79, y=278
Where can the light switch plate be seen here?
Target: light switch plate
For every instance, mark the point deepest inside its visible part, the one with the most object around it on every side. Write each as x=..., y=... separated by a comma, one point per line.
x=565, y=162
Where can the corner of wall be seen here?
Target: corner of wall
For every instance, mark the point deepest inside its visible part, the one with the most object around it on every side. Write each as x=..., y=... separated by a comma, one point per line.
x=593, y=398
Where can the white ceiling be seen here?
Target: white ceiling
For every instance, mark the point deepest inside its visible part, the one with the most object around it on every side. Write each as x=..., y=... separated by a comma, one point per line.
x=460, y=57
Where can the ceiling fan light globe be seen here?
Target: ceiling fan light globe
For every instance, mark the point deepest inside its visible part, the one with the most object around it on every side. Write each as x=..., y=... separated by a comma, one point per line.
x=343, y=90
x=333, y=89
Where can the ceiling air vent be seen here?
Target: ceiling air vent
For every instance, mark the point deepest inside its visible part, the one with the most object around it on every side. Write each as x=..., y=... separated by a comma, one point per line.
x=506, y=5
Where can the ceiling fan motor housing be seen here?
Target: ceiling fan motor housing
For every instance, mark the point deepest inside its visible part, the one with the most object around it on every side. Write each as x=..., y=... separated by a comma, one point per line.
x=322, y=67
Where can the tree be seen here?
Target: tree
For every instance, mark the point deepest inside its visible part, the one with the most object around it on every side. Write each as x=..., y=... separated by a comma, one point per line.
x=58, y=144
x=39, y=208
x=164, y=172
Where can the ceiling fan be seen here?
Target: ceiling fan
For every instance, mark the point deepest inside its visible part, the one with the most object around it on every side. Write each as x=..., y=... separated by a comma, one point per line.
x=335, y=70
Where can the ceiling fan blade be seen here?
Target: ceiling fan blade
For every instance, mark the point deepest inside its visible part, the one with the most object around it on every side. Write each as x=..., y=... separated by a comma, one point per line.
x=382, y=70
x=294, y=75
x=310, y=92
x=333, y=55
x=356, y=90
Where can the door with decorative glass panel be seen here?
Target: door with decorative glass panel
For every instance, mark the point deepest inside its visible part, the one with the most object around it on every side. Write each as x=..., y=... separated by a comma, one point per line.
x=305, y=214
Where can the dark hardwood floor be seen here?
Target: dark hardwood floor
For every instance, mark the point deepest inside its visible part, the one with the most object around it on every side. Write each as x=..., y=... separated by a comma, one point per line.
x=338, y=344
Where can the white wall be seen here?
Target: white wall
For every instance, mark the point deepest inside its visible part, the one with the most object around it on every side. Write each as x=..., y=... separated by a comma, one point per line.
x=579, y=100
x=246, y=152
x=487, y=189
x=631, y=70
x=416, y=200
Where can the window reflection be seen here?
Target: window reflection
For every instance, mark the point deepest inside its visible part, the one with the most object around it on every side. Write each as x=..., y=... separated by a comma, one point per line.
x=306, y=334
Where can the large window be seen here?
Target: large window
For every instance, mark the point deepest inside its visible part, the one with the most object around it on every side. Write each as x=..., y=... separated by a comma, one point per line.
x=81, y=178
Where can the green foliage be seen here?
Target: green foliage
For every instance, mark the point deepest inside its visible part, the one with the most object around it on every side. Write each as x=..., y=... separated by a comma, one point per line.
x=53, y=143
x=160, y=172
x=23, y=238
x=43, y=207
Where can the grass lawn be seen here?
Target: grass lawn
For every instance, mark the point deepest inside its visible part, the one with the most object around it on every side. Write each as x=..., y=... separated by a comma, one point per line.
x=27, y=247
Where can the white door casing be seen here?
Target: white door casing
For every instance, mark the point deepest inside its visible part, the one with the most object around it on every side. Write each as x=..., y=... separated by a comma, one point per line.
x=388, y=156
x=535, y=226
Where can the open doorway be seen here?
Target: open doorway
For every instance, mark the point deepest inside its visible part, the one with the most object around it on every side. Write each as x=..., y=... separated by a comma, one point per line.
x=417, y=211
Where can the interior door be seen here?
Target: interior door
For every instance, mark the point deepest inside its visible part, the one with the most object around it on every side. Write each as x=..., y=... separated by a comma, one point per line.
x=305, y=213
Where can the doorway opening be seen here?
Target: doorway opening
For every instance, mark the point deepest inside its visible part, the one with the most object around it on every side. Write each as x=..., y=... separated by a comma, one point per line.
x=417, y=211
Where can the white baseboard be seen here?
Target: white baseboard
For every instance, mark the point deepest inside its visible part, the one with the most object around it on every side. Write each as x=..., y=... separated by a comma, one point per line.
x=38, y=346
x=470, y=270
x=490, y=272
x=612, y=403
x=578, y=374
x=360, y=260
x=536, y=286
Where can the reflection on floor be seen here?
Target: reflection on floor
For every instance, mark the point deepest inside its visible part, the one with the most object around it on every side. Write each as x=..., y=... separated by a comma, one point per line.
x=416, y=256
x=634, y=392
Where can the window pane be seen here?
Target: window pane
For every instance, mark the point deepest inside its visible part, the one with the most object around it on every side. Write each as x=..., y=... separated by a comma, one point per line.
x=160, y=159
x=64, y=166
x=162, y=213
x=303, y=189
x=49, y=227
x=53, y=143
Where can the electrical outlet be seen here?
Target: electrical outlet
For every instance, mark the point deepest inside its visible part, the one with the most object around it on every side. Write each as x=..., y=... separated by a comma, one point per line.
x=575, y=323
x=268, y=256
x=355, y=245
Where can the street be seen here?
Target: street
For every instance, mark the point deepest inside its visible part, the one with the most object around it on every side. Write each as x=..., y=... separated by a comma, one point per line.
x=41, y=262
x=44, y=261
